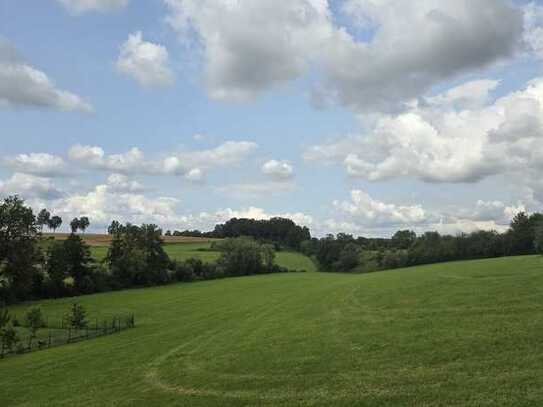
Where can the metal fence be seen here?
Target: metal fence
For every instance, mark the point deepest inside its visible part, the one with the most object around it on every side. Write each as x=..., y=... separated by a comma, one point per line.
x=57, y=333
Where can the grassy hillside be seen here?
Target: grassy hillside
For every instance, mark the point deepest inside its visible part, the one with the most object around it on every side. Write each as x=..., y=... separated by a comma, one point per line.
x=199, y=250
x=456, y=334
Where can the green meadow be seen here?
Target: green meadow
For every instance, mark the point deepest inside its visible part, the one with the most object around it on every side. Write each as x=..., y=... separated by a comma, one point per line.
x=455, y=334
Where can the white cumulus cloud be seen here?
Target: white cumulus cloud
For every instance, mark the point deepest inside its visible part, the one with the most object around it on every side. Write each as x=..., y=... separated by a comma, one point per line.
x=37, y=163
x=278, y=170
x=448, y=144
x=22, y=85
x=146, y=62
x=251, y=46
x=30, y=186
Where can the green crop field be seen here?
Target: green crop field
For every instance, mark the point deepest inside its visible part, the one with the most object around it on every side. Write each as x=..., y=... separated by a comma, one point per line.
x=456, y=334
x=184, y=251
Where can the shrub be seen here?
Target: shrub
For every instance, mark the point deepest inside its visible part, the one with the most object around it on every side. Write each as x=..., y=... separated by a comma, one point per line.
x=76, y=317
x=34, y=320
x=349, y=257
x=9, y=338
x=241, y=256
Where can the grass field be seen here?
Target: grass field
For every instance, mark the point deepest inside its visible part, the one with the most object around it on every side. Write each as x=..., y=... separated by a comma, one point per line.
x=184, y=251
x=456, y=334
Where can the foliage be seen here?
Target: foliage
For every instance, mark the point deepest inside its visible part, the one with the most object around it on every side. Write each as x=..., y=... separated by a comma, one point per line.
x=403, y=239
x=34, y=320
x=4, y=316
x=268, y=255
x=57, y=269
x=43, y=218
x=114, y=228
x=9, y=338
x=241, y=256
x=19, y=251
x=405, y=248
x=81, y=223
x=136, y=256
x=78, y=262
x=54, y=223
x=278, y=230
x=76, y=317
x=538, y=239
x=349, y=257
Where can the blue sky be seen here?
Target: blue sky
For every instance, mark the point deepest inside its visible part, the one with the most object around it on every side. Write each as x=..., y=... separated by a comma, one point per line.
x=354, y=115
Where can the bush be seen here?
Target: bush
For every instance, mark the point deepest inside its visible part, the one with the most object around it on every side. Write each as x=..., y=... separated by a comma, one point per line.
x=9, y=338
x=392, y=259
x=136, y=256
x=241, y=256
x=76, y=317
x=349, y=257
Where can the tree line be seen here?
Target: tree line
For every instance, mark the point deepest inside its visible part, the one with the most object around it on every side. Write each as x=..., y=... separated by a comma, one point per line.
x=281, y=232
x=34, y=267
x=345, y=253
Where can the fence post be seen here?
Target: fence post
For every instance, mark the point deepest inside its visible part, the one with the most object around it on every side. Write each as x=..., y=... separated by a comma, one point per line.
x=69, y=335
x=49, y=340
x=2, y=351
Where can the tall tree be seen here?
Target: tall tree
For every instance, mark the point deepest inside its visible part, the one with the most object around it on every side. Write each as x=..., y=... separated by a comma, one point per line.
x=79, y=262
x=403, y=239
x=43, y=218
x=19, y=250
x=84, y=223
x=136, y=255
x=54, y=223
x=522, y=234
x=114, y=228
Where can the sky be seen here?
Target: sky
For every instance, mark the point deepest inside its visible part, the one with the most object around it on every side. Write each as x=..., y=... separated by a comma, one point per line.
x=356, y=116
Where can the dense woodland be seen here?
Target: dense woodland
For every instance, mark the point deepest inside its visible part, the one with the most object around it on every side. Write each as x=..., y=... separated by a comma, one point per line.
x=33, y=267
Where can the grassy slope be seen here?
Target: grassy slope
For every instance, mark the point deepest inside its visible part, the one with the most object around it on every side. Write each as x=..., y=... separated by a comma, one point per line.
x=183, y=251
x=457, y=334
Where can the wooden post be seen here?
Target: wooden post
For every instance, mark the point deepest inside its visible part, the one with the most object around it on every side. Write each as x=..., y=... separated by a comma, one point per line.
x=49, y=340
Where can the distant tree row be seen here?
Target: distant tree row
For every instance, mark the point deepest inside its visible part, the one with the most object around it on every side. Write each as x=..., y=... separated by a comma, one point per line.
x=32, y=267
x=281, y=232
x=345, y=253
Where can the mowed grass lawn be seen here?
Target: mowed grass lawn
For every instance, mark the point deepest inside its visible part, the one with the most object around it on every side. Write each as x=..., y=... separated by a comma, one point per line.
x=456, y=334
x=184, y=251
